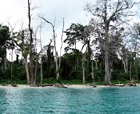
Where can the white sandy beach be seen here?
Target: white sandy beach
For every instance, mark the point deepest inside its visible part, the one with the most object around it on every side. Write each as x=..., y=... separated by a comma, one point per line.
x=68, y=86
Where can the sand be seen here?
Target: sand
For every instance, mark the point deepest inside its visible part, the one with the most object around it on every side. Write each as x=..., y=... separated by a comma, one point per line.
x=68, y=86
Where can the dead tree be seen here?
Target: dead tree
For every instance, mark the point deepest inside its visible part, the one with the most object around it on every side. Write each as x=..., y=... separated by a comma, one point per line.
x=31, y=64
x=41, y=63
x=22, y=41
x=109, y=14
x=61, y=43
x=57, y=58
x=56, y=55
x=83, y=67
x=12, y=45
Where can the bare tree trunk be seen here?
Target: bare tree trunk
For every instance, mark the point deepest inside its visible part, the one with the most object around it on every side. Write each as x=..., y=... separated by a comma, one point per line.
x=96, y=65
x=41, y=63
x=41, y=72
x=107, y=67
x=124, y=59
x=130, y=72
x=31, y=47
x=92, y=73
x=83, y=67
x=27, y=70
x=57, y=67
x=25, y=62
x=35, y=72
x=61, y=44
x=12, y=36
x=125, y=64
x=5, y=61
x=136, y=70
x=56, y=55
x=11, y=64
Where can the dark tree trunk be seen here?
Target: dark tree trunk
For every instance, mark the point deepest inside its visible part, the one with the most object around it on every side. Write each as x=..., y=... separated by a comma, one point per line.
x=136, y=70
x=5, y=61
x=31, y=47
x=27, y=70
x=130, y=73
x=92, y=73
x=83, y=67
x=41, y=72
x=12, y=64
x=107, y=67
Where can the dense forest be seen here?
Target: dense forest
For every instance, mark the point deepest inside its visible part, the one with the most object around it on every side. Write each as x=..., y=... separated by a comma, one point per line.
x=105, y=51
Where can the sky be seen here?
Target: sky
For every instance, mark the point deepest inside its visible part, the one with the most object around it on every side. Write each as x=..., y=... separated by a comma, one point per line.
x=15, y=13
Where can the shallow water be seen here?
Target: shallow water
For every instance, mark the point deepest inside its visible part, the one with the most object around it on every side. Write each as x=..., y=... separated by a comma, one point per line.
x=70, y=101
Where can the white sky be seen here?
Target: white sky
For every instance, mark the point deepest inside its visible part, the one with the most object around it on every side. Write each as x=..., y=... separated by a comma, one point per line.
x=15, y=11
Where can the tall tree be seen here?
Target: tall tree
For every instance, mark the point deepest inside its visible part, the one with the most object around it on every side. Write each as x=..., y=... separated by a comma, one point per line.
x=56, y=54
x=12, y=45
x=31, y=64
x=135, y=45
x=110, y=15
x=78, y=32
x=22, y=41
x=5, y=42
x=57, y=60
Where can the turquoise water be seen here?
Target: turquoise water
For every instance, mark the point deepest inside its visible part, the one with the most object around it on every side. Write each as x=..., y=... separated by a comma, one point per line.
x=70, y=101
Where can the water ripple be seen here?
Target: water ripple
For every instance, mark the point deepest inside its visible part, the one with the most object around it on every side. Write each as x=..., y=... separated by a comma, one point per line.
x=70, y=101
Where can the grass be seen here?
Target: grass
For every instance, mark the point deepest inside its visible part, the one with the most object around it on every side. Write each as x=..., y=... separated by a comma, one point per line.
x=67, y=82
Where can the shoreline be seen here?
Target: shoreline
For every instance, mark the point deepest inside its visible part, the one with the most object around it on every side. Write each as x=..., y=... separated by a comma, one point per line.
x=74, y=86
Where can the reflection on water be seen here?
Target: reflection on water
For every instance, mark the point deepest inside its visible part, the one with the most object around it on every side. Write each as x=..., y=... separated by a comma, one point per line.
x=70, y=101
x=14, y=101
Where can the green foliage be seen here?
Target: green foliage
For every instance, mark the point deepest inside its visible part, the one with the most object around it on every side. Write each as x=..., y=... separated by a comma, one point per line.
x=25, y=53
x=99, y=75
x=4, y=36
x=119, y=75
x=71, y=64
x=7, y=74
x=19, y=71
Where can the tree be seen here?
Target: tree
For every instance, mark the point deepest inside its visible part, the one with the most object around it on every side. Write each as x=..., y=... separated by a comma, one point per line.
x=57, y=60
x=78, y=32
x=41, y=61
x=12, y=46
x=22, y=41
x=31, y=46
x=124, y=54
x=5, y=42
x=110, y=15
x=133, y=45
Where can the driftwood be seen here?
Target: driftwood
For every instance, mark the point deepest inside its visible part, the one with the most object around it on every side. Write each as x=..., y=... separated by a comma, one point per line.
x=48, y=84
x=93, y=85
x=120, y=85
x=40, y=85
x=59, y=85
x=44, y=85
x=14, y=85
x=132, y=83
